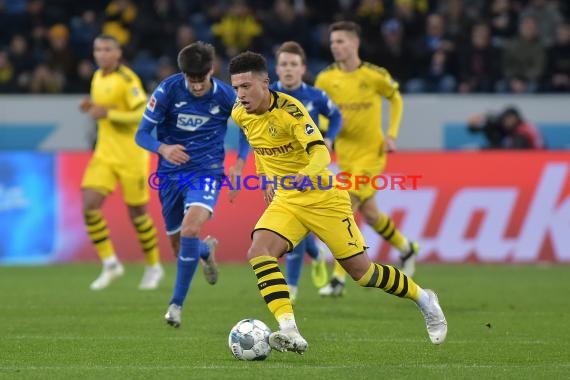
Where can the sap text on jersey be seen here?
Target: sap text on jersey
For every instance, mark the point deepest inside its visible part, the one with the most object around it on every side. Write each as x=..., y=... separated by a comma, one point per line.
x=190, y=122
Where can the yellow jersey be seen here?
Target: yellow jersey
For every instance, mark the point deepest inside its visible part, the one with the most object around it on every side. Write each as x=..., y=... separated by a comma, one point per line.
x=120, y=91
x=281, y=138
x=358, y=95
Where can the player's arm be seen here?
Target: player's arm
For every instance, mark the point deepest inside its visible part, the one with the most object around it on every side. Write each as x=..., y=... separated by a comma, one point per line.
x=136, y=100
x=332, y=113
x=396, y=111
x=268, y=190
x=153, y=116
x=309, y=136
x=85, y=104
x=390, y=89
x=175, y=154
x=126, y=117
x=319, y=159
x=236, y=170
x=243, y=151
x=134, y=96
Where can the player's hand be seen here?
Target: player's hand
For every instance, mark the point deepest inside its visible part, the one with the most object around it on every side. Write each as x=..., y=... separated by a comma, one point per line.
x=85, y=104
x=234, y=173
x=390, y=145
x=97, y=112
x=268, y=193
x=175, y=154
x=299, y=181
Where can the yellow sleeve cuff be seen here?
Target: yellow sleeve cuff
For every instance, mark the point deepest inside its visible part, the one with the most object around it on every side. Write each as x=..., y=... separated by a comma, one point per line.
x=319, y=159
x=396, y=110
x=126, y=117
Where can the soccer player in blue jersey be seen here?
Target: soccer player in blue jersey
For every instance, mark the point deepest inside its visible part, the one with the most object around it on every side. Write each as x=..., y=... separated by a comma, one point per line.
x=190, y=111
x=291, y=67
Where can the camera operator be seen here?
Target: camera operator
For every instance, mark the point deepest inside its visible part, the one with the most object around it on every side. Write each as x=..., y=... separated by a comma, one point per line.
x=506, y=130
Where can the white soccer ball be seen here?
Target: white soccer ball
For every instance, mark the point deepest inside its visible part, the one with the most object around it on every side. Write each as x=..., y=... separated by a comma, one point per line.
x=249, y=340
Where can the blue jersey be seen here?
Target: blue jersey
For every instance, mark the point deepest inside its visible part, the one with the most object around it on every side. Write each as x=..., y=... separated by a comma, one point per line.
x=197, y=123
x=316, y=101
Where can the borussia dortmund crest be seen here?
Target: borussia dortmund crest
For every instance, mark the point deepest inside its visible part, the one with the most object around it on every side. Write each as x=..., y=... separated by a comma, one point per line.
x=272, y=129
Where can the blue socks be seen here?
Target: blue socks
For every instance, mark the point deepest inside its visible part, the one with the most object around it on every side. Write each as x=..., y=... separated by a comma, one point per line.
x=294, y=263
x=186, y=265
x=312, y=248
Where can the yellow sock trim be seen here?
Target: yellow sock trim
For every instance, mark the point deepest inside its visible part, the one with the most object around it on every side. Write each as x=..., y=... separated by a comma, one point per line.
x=339, y=272
x=272, y=285
x=386, y=228
x=98, y=232
x=146, y=232
x=391, y=280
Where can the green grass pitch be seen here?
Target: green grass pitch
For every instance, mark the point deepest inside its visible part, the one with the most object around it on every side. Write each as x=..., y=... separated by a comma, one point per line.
x=504, y=322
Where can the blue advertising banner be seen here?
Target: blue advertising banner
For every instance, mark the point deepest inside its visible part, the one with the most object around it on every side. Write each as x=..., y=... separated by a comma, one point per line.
x=27, y=207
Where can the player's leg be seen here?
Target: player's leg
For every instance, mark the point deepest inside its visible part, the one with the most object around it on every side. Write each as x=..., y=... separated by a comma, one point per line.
x=294, y=263
x=385, y=227
x=392, y=281
x=276, y=232
x=136, y=195
x=172, y=201
x=319, y=273
x=207, y=254
x=340, y=232
x=335, y=288
x=98, y=182
x=174, y=242
x=146, y=233
x=187, y=261
x=199, y=206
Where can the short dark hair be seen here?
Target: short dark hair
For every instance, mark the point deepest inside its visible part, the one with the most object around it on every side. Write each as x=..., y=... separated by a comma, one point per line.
x=108, y=37
x=347, y=26
x=248, y=61
x=293, y=48
x=196, y=59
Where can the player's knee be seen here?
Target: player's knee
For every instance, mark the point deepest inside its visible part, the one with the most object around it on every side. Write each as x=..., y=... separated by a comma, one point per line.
x=256, y=250
x=371, y=219
x=91, y=200
x=136, y=211
x=191, y=230
x=360, y=272
x=370, y=215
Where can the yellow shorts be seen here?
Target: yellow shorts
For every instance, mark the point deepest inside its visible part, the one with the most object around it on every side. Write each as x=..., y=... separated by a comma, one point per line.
x=331, y=221
x=103, y=177
x=369, y=168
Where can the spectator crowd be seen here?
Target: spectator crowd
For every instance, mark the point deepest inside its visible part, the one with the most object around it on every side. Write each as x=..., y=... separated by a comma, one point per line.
x=443, y=46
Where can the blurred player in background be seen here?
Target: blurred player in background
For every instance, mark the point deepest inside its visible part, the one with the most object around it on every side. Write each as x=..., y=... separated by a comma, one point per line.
x=190, y=111
x=291, y=67
x=357, y=88
x=117, y=104
x=287, y=143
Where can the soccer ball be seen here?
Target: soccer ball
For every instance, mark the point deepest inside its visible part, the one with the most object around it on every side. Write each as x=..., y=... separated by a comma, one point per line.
x=249, y=340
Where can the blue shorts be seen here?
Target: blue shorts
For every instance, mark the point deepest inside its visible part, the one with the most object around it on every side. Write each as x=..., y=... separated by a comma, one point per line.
x=177, y=197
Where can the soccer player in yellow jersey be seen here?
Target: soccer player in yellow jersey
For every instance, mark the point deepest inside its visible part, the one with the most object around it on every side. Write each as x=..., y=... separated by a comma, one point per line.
x=357, y=88
x=117, y=103
x=291, y=155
